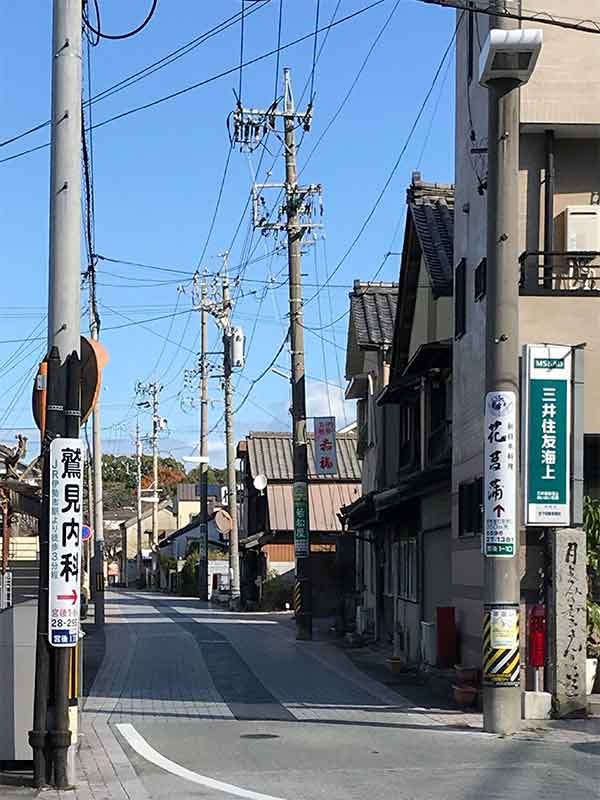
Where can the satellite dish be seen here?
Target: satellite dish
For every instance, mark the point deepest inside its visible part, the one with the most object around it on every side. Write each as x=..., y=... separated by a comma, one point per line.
x=260, y=483
x=223, y=521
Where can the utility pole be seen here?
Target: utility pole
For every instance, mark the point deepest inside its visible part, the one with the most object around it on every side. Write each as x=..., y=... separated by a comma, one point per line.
x=153, y=390
x=234, y=556
x=138, y=459
x=249, y=127
x=50, y=747
x=98, y=517
x=203, y=563
x=502, y=702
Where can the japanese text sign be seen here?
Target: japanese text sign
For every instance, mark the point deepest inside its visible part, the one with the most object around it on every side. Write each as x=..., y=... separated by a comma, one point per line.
x=547, y=435
x=500, y=525
x=301, y=534
x=66, y=499
x=325, y=447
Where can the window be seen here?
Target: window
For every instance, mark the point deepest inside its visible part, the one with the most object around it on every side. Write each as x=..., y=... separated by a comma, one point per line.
x=407, y=569
x=460, y=322
x=470, y=508
x=481, y=279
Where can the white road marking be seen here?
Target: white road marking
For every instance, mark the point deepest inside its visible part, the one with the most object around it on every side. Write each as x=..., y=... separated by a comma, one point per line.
x=141, y=746
x=206, y=621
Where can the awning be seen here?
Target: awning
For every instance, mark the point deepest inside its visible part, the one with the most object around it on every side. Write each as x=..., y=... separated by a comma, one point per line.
x=430, y=356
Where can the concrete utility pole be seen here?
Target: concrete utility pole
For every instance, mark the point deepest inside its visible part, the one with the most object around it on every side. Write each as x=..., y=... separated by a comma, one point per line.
x=234, y=556
x=502, y=702
x=153, y=389
x=50, y=747
x=203, y=564
x=249, y=126
x=138, y=459
x=98, y=518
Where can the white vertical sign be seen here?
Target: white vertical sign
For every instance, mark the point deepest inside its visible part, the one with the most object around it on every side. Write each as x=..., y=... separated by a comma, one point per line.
x=325, y=447
x=66, y=499
x=500, y=524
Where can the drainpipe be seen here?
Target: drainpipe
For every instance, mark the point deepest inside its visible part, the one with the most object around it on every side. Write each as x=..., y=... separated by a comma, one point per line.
x=549, y=209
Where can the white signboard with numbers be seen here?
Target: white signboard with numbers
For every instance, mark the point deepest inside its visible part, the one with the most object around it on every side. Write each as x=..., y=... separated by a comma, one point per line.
x=66, y=500
x=500, y=533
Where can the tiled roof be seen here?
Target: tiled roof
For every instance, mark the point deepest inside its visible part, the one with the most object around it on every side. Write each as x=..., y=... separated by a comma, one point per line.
x=372, y=313
x=432, y=208
x=325, y=501
x=270, y=454
x=191, y=491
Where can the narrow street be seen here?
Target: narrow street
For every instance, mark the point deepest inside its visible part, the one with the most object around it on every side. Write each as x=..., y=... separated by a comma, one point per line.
x=192, y=701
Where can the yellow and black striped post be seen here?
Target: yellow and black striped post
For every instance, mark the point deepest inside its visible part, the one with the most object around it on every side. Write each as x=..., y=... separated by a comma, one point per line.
x=501, y=645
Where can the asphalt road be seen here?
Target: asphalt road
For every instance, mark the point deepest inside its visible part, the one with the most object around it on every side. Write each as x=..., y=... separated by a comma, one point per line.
x=209, y=704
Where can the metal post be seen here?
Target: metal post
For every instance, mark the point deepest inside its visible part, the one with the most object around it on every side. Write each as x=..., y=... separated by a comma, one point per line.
x=502, y=703
x=98, y=517
x=203, y=564
x=234, y=556
x=138, y=458
x=64, y=304
x=300, y=443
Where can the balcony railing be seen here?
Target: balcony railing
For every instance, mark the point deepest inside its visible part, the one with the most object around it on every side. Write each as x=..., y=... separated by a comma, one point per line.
x=576, y=273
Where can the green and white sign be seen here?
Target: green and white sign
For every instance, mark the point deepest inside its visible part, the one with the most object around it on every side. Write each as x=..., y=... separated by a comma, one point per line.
x=301, y=534
x=547, y=435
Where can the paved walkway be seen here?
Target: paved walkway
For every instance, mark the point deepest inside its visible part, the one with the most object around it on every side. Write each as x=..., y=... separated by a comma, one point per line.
x=191, y=701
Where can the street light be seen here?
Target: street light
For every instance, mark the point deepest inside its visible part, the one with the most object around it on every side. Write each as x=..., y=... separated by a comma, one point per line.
x=507, y=62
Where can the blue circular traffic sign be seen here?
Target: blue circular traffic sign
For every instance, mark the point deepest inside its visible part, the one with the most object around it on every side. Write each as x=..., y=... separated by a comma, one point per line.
x=86, y=533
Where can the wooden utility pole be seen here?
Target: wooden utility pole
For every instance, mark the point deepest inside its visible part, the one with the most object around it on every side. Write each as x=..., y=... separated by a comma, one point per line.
x=249, y=126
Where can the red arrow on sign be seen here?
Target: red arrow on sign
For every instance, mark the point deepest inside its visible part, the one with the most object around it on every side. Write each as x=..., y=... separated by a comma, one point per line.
x=72, y=596
x=499, y=511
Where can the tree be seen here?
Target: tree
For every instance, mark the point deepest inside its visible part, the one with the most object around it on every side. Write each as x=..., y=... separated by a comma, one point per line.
x=215, y=476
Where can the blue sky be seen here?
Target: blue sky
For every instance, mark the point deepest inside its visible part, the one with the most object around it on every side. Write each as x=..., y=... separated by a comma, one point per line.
x=157, y=175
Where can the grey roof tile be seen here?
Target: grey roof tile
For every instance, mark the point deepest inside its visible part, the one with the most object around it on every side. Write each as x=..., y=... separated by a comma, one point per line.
x=270, y=454
x=373, y=311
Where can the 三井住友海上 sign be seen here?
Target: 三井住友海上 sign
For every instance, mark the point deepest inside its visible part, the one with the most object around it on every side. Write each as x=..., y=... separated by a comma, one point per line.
x=547, y=432
x=66, y=499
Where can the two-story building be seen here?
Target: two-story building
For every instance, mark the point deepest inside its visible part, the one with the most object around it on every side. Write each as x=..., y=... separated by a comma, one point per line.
x=559, y=270
x=402, y=520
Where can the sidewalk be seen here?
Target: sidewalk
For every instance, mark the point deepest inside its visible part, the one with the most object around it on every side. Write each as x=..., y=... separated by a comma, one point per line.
x=165, y=662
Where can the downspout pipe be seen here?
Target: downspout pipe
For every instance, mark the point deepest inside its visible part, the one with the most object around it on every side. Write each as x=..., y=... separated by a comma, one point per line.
x=549, y=208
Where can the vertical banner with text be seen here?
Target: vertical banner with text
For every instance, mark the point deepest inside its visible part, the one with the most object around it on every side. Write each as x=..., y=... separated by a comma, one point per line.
x=325, y=446
x=500, y=533
x=547, y=434
x=66, y=499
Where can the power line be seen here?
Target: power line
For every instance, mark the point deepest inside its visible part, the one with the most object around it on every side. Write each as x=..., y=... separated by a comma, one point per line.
x=314, y=58
x=209, y=80
x=145, y=72
x=522, y=14
x=353, y=84
x=396, y=163
x=114, y=37
x=278, y=50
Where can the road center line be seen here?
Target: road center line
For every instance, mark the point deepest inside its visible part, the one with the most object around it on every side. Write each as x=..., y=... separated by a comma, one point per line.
x=142, y=748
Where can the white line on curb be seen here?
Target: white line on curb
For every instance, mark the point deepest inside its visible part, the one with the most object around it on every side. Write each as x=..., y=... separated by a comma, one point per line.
x=141, y=746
